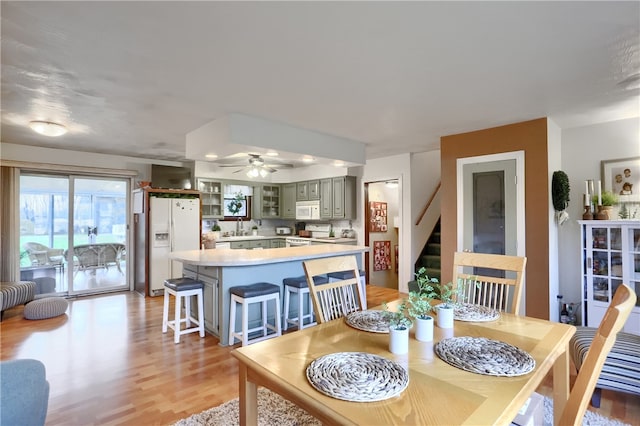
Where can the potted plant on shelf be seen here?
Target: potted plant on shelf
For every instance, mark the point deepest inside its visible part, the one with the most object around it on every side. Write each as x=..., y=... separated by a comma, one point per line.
x=399, y=325
x=215, y=230
x=607, y=200
x=419, y=304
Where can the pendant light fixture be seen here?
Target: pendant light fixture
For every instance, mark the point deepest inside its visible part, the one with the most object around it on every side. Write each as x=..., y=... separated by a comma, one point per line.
x=47, y=128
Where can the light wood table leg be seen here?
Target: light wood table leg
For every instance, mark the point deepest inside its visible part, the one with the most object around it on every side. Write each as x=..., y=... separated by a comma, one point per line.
x=560, y=385
x=248, y=398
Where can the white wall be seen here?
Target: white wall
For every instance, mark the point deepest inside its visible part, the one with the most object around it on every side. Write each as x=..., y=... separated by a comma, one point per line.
x=554, y=145
x=583, y=148
x=85, y=159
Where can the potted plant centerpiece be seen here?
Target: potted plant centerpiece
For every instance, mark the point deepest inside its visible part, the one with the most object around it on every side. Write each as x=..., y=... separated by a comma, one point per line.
x=447, y=293
x=419, y=304
x=399, y=325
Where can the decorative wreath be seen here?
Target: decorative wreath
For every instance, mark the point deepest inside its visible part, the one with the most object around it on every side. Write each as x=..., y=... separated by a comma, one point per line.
x=235, y=205
x=560, y=190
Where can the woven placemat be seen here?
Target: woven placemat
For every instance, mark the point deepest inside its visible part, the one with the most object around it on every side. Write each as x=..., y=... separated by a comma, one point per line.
x=373, y=320
x=357, y=376
x=474, y=313
x=485, y=356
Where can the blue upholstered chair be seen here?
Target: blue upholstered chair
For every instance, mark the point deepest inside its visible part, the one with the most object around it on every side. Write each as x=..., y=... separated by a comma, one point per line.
x=25, y=392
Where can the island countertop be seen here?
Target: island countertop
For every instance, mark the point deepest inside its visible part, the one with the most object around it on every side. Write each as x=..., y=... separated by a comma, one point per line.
x=248, y=257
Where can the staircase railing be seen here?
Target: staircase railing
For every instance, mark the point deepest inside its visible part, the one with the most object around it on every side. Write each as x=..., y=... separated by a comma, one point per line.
x=426, y=207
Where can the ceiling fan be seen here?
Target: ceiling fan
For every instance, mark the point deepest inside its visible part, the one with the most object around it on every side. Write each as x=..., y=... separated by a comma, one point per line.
x=257, y=166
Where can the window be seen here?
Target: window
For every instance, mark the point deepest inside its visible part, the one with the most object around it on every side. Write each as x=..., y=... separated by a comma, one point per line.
x=244, y=213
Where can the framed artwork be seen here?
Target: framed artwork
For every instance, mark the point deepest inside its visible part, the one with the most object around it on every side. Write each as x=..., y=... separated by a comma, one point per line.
x=377, y=216
x=622, y=177
x=381, y=255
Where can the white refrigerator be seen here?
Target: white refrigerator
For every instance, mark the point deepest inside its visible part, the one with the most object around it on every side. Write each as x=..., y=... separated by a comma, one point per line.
x=174, y=224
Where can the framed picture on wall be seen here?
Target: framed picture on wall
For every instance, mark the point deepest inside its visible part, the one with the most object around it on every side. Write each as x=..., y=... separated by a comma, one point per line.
x=622, y=177
x=381, y=255
x=377, y=216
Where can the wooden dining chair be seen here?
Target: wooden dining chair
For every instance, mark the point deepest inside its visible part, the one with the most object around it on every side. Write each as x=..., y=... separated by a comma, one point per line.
x=614, y=318
x=338, y=298
x=479, y=287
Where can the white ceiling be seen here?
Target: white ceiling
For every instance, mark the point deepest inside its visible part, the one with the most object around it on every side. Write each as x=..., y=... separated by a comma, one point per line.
x=133, y=78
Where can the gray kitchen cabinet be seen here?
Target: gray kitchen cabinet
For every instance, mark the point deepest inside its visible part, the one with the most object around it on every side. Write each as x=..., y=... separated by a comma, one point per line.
x=277, y=243
x=344, y=197
x=244, y=244
x=264, y=243
x=326, y=198
x=289, y=201
x=266, y=199
x=302, y=191
x=313, y=189
x=211, y=198
x=308, y=190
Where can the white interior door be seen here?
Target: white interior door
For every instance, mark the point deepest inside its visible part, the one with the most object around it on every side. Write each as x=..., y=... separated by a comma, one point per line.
x=490, y=207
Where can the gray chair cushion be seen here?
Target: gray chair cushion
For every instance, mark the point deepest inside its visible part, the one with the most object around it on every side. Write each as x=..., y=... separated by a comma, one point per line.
x=621, y=370
x=48, y=307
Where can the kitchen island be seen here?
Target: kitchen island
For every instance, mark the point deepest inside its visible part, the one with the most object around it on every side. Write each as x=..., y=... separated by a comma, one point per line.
x=220, y=269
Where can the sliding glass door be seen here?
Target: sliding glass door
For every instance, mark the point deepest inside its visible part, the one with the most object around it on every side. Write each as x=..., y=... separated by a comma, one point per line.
x=73, y=234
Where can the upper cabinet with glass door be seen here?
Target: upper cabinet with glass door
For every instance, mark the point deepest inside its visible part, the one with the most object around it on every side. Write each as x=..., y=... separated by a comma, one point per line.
x=211, y=198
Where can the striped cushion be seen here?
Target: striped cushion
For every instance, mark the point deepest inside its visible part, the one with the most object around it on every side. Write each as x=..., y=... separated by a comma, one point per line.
x=48, y=307
x=16, y=293
x=621, y=371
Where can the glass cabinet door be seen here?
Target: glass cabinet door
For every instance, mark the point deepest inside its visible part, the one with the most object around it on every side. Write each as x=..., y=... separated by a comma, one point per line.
x=634, y=260
x=211, y=198
x=606, y=262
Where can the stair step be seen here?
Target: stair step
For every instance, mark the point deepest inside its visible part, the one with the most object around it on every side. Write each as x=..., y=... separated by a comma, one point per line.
x=431, y=261
x=433, y=249
x=433, y=273
x=435, y=238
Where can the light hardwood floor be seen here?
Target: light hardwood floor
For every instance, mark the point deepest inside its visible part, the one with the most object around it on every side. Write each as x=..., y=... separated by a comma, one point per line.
x=109, y=363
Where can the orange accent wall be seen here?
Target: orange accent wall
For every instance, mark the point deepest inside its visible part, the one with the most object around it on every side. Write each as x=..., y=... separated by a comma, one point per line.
x=530, y=137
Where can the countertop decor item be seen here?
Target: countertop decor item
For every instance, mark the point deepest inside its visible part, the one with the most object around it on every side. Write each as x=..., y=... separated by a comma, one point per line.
x=357, y=376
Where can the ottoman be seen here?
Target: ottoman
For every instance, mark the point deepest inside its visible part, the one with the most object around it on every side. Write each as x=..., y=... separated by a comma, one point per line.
x=48, y=307
x=16, y=293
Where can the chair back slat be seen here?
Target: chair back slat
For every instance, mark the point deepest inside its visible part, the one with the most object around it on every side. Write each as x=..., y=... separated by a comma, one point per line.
x=335, y=299
x=614, y=318
x=492, y=292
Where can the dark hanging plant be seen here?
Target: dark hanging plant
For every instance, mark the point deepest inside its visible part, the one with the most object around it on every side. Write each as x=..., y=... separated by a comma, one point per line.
x=560, y=195
x=560, y=190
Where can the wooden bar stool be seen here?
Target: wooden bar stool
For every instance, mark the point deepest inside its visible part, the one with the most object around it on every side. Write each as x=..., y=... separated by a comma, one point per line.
x=183, y=288
x=299, y=286
x=345, y=275
x=255, y=293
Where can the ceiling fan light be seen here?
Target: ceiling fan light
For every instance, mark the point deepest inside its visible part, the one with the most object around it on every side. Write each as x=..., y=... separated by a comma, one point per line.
x=47, y=128
x=263, y=172
x=253, y=172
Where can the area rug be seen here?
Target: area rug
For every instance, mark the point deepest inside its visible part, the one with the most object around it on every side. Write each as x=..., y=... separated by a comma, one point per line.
x=276, y=411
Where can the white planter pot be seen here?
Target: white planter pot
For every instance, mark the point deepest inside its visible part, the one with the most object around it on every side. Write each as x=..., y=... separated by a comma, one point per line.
x=424, y=328
x=254, y=232
x=398, y=341
x=445, y=316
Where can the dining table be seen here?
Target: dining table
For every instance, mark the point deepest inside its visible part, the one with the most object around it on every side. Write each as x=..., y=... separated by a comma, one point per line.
x=437, y=393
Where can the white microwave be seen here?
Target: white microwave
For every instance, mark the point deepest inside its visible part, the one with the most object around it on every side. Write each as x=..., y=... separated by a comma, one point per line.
x=308, y=210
